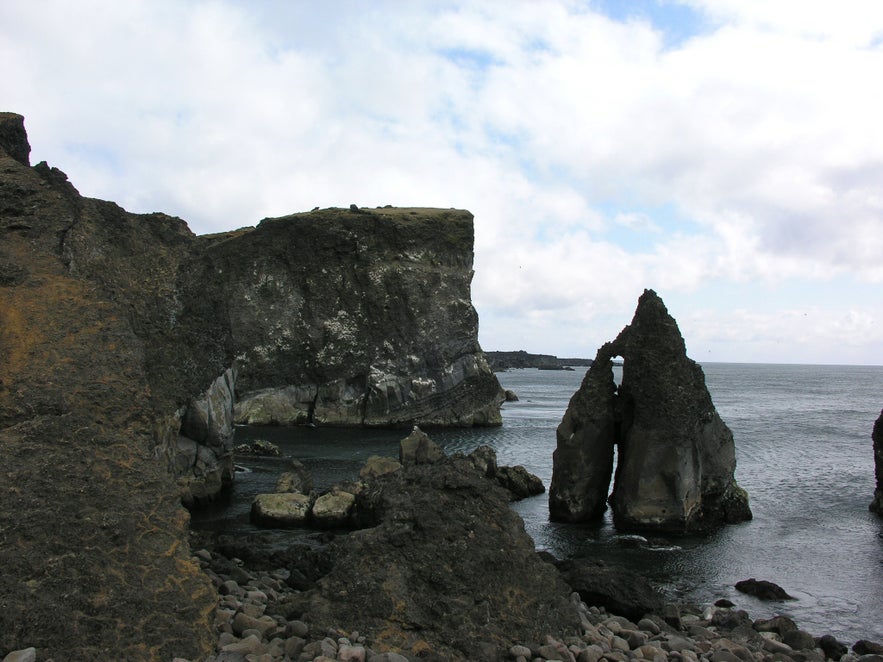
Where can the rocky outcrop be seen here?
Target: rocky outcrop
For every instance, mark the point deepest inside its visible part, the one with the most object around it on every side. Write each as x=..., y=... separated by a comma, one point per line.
x=343, y=317
x=675, y=456
x=459, y=573
x=93, y=539
x=124, y=339
x=877, y=438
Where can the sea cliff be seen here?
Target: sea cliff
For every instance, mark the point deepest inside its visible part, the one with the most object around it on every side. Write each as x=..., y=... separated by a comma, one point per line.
x=126, y=342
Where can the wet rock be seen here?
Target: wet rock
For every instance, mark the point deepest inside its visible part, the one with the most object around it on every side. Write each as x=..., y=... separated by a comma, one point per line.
x=519, y=482
x=799, y=640
x=260, y=447
x=866, y=647
x=778, y=624
x=832, y=648
x=333, y=510
x=762, y=589
x=676, y=457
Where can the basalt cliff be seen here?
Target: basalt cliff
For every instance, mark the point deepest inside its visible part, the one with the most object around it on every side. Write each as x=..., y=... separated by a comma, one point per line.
x=127, y=342
x=675, y=456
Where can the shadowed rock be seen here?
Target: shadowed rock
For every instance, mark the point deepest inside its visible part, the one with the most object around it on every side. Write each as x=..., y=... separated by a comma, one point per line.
x=762, y=589
x=877, y=437
x=675, y=456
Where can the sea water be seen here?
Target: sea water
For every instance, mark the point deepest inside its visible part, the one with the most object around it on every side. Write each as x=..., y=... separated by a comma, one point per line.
x=804, y=455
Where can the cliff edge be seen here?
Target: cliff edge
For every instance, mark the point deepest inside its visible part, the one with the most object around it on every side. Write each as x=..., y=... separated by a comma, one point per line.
x=126, y=340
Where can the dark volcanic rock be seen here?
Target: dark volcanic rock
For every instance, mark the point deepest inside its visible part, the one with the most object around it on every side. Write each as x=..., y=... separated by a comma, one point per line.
x=614, y=588
x=92, y=534
x=458, y=570
x=124, y=340
x=355, y=319
x=760, y=588
x=676, y=457
x=877, y=437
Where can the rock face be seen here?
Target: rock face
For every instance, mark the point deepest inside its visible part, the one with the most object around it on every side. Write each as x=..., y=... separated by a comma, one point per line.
x=92, y=533
x=125, y=339
x=441, y=528
x=877, y=437
x=675, y=456
x=342, y=317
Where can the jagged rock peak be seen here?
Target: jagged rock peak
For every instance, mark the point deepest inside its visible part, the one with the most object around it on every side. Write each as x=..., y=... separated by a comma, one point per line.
x=676, y=457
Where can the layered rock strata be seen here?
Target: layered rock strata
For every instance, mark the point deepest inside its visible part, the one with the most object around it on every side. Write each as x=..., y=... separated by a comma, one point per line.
x=675, y=456
x=355, y=317
x=877, y=438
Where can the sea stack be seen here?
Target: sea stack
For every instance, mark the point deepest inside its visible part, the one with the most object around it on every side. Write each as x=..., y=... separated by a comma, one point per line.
x=125, y=340
x=675, y=456
x=877, y=437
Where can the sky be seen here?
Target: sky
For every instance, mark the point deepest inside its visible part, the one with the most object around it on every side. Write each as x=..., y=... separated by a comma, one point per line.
x=726, y=153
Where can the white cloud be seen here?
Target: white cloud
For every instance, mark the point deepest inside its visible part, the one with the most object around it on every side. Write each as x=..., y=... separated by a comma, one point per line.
x=560, y=128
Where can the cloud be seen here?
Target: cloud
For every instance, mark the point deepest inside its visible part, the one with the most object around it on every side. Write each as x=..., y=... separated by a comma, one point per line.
x=599, y=154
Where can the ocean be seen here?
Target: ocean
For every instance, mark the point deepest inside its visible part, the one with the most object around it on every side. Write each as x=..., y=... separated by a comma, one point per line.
x=803, y=452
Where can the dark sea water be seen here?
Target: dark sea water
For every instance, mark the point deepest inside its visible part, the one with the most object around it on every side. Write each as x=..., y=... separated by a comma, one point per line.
x=804, y=454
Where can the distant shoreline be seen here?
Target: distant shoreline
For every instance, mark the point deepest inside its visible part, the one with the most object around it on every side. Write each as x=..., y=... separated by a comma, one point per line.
x=500, y=361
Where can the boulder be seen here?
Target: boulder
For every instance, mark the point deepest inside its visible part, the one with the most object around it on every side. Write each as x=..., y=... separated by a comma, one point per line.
x=418, y=448
x=866, y=647
x=778, y=624
x=877, y=438
x=617, y=589
x=260, y=447
x=377, y=465
x=519, y=482
x=281, y=510
x=333, y=510
x=675, y=456
x=762, y=589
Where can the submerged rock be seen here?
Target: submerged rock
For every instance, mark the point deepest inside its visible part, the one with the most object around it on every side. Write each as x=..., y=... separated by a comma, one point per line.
x=762, y=589
x=675, y=456
x=877, y=437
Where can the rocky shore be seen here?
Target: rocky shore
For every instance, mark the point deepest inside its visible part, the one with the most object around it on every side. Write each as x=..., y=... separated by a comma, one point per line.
x=256, y=622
